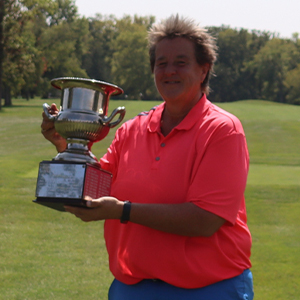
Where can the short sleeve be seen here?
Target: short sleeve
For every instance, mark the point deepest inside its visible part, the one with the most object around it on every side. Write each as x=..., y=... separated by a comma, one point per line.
x=110, y=160
x=219, y=180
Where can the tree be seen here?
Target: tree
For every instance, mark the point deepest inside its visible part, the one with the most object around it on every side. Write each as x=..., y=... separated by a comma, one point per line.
x=291, y=82
x=27, y=50
x=97, y=59
x=232, y=47
x=63, y=11
x=19, y=44
x=234, y=81
x=61, y=42
x=293, y=77
x=18, y=48
x=130, y=66
x=63, y=47
x=118, y=54
x=271, y=66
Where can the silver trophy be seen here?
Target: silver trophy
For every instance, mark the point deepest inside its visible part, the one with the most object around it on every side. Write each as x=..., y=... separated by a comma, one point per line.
x=82, y=121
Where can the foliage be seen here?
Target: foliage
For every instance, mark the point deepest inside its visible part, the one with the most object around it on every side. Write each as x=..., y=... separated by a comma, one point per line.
x=130, y=61
x=234, y=80
x=63, y=47
x=271, y=66
x=292, y=85
x=96, y=61
x=19, y=50
x=45, y=39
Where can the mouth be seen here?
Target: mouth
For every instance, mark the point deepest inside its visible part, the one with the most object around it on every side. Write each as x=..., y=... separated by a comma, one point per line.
x=171, y=82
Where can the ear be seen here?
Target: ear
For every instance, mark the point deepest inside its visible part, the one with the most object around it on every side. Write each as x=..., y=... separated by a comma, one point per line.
x=204, y=70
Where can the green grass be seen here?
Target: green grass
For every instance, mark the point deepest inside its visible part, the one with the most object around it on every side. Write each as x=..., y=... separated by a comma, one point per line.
x=272, y=195
x=45, y=254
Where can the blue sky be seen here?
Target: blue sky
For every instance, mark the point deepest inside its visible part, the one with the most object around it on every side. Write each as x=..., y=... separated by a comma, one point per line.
x=282, y=17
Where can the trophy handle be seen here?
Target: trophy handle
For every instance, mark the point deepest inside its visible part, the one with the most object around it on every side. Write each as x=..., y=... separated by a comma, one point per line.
x=106, y=121
x=46, y=108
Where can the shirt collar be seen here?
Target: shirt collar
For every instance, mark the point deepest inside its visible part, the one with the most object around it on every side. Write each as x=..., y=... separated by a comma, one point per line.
x=193, y=116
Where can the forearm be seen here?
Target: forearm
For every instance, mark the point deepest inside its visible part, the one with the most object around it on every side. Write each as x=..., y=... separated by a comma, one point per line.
x=183, y=219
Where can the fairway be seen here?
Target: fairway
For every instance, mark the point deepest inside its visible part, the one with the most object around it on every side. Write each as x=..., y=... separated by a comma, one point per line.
x=45, y=254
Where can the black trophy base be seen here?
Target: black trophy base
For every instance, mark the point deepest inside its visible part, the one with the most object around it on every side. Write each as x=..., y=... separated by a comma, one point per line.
x=60, y=203
x=63, y=183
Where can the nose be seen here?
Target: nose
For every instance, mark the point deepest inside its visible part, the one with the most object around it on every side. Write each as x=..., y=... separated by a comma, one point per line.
x=170, y=69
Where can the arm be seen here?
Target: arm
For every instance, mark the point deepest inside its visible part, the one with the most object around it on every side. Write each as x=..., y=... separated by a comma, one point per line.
x=49, y=132
x=217, y=190
x=183, y=219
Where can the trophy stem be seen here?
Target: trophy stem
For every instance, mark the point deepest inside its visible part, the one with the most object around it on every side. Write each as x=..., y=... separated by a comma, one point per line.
x=77, y=150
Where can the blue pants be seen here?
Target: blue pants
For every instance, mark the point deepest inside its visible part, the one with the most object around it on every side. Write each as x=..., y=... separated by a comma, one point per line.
x=236, y=288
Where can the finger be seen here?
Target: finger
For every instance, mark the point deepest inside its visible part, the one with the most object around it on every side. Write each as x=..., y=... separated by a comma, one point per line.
x=69, y=209
x=54, y=107
x=81, y=213
x=92, y=203
x=75, y=211
x=52, y=111
x=88, y=201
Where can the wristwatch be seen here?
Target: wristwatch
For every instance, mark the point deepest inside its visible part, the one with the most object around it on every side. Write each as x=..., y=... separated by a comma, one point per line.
x=126, y=212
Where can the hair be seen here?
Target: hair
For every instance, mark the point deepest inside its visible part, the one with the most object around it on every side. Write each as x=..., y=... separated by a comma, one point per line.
x=174, y=26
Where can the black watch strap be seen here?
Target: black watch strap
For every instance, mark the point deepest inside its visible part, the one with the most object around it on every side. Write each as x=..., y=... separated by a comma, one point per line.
x=126, y=212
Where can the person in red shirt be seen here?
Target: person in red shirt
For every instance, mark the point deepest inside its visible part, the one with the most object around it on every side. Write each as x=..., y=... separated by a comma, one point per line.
x=175, y=222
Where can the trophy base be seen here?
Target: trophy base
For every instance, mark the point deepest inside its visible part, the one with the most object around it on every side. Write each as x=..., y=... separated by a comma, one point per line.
x=63, y=183
x=60, y=203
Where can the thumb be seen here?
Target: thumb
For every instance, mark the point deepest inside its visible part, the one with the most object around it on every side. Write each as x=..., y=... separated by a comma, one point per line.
x=91, y=202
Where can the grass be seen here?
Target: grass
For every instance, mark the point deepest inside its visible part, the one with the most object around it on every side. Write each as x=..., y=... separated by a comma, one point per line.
x=45, y=254
x=272, y=195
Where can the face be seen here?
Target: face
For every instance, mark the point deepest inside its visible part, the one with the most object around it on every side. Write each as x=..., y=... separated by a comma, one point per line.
x=177, y=74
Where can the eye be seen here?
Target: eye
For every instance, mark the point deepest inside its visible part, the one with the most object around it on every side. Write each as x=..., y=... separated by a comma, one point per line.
x=181, y=62
x=161, y=63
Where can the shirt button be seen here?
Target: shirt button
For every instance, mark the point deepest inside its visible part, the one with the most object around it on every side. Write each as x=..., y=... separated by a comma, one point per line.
x=157, y=158
x=163, y=145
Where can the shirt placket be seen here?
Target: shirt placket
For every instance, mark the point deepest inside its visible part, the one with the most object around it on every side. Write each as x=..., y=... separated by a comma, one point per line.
x=159, y=154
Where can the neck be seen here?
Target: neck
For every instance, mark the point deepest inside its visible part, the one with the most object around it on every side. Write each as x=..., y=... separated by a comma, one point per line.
x=172, y=116
x=169, y=121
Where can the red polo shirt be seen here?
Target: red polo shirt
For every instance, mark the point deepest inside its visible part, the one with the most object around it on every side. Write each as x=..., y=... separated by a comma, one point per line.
x=204, y=160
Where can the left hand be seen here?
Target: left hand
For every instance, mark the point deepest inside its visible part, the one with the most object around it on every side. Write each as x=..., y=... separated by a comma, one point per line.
x=98, y=209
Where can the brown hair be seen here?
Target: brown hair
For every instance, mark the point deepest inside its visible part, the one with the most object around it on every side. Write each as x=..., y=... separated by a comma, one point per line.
x=174, y=26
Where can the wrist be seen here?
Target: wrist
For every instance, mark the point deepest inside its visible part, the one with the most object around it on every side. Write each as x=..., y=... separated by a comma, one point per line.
x=125, y=217
x=61, y=146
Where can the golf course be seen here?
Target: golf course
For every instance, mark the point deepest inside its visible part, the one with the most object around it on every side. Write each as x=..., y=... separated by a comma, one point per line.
x=47, y=254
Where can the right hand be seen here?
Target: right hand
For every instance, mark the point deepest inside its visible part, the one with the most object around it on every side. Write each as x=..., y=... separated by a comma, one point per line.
x=49, y=132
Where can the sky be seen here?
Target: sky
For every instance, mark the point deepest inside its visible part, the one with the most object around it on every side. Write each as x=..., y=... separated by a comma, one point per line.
x=276, y=16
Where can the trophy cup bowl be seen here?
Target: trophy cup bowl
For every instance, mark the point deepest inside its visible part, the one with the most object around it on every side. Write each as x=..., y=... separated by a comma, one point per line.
x=82, y=121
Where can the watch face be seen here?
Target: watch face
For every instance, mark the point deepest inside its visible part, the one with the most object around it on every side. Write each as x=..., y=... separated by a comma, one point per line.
x=126, y=212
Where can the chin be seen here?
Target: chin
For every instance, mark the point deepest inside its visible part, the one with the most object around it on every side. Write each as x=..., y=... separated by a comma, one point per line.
x=171, y=96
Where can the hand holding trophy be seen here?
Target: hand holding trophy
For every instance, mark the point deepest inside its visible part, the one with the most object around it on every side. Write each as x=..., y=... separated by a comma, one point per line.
x=49, y=132
x=82, y=120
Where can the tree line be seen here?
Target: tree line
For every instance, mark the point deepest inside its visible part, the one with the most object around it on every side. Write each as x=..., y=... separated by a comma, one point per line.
x=45, y=39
